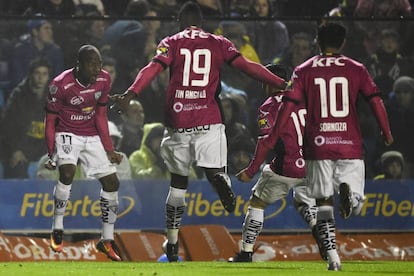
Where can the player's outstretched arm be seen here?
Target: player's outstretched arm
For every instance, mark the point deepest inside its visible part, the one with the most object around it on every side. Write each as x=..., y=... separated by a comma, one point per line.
x=143, y=78
x=259, y=72
x=50, y=123
x=378, y=108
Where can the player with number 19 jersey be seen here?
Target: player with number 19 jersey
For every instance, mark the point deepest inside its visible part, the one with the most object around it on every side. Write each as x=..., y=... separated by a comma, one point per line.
x=329, y=85
x=195, y=58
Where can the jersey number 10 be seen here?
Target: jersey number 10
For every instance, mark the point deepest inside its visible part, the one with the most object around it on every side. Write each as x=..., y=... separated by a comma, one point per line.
x=329, y=100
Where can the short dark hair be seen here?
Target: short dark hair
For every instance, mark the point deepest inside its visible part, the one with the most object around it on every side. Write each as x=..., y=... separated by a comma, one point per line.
x=190, y=15
x=39, y=62
x=85, y=50
x=331, y=35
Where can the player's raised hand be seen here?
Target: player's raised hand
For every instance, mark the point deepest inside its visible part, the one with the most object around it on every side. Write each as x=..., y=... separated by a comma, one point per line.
x=389, y=140
x=121, y=101
x=50, y=164
x=114, y=157
x=242, y=176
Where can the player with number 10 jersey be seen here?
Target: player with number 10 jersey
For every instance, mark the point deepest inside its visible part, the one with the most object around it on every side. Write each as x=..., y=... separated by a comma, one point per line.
x=330, y=84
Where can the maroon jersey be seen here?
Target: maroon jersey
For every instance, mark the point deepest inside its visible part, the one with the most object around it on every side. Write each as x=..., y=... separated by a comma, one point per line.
x=288, y=160
x=195, y=58
x=329, y=85
x=76, y=104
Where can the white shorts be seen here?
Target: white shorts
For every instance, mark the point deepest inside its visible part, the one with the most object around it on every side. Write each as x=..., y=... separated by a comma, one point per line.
x=204, y=145
x=324, y=176
x=87, y=149
x=271, y=187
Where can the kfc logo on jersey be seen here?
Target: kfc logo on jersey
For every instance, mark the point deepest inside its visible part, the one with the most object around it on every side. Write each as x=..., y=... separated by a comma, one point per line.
x=77, y=100
x=326, y=62
x=163, y=51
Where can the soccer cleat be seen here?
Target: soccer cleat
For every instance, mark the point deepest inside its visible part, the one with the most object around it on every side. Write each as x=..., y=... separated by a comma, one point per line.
x=335, y=266
x=322, y=251
x=345, y=200
x=242, y=257
x=56, y=241
x=109, y=248
x=222, y=184
x=171, y=250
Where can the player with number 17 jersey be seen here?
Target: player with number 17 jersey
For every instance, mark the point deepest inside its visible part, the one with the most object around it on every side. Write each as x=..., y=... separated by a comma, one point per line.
x=329, y=85
x=195, y=58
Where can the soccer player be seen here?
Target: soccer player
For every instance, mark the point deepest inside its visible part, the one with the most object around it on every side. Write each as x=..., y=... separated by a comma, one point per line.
x=77, y=129
x=195, y=130
x=286, y=171
x=329, y=84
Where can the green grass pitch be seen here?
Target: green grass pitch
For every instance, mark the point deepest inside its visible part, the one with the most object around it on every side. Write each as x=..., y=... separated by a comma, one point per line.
x=288, y=268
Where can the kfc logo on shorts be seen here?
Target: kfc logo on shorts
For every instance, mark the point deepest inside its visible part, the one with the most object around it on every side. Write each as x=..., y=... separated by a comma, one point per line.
x=77, y=100
x=67, y=148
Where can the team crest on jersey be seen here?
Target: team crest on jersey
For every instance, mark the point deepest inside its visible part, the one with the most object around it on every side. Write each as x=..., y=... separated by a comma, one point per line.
x=53, y=89
x=77, y=100
x=98, y=94
x=162, y=51
x=67, y=148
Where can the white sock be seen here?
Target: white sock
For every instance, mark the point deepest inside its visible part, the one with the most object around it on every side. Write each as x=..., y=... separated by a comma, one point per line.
x=61, y=194
x=252, y=226
x=326, y=231
x=175, y=206
x=109, y=208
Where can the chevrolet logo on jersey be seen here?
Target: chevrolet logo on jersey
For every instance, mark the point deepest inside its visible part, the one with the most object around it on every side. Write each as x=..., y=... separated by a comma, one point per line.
x=162, y=51
x=87, y=110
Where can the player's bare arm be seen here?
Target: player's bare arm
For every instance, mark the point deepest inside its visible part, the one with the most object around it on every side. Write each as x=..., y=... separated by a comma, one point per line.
x=377, y=106
x=242, y=176
x=50, y=123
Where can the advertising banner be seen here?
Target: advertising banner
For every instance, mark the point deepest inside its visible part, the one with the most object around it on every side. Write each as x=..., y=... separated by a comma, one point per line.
x=28, y=205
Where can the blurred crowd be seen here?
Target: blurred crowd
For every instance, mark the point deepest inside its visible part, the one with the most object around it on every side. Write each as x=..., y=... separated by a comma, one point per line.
x=39, y=39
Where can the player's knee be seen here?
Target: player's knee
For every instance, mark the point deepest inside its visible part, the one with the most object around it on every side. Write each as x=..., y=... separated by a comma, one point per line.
x=256, y=202
x=66, y=174
x=110, y=183
x=210, y=173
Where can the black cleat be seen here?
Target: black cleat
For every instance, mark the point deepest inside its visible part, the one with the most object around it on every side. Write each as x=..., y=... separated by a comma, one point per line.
x=171, y=250
x=222, y=184
x=345, y=200
x=242, y=257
